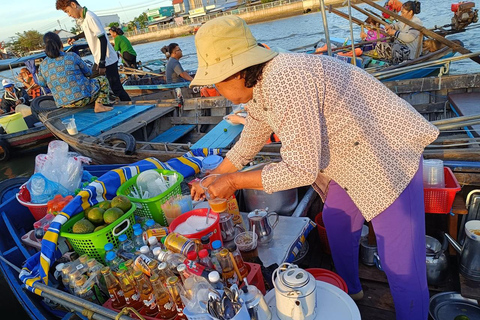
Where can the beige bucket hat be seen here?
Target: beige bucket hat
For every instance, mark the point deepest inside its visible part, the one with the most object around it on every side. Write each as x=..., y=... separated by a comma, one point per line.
x=225, y=46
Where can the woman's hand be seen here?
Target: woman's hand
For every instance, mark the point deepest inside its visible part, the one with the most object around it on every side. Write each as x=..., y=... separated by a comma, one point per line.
x=222, y=187
x=235, y=119
x=197, y=191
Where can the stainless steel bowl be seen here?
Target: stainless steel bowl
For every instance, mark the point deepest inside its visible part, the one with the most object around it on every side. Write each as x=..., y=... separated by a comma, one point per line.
x=451, y=305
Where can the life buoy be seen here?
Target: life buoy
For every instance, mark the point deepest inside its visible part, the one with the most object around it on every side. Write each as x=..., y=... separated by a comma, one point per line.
x=43, y=104
x=126, y=138
x=4, y=150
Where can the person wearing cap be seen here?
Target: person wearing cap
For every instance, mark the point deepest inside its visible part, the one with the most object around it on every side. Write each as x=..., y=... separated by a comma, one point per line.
x=343, y=132
x=106, y=60
x=174, y=71
x=123, y=45
x=13, y=97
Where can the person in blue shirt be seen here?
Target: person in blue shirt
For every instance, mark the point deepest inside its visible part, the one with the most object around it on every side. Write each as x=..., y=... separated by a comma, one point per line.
x=174, y=71
x=66, y=74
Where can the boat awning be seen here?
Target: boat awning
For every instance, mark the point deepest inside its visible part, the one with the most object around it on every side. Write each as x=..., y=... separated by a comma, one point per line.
x=177, y=1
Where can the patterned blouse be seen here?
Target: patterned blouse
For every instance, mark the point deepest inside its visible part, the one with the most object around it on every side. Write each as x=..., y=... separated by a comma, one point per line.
x=336, y=122
x=67, y=78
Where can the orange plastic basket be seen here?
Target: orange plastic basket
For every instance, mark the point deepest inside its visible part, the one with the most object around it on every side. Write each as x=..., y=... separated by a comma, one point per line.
x=440, y=200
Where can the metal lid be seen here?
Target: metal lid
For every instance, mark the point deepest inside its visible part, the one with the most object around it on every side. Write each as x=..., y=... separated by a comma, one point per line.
x=224, y=217
x=258, y=213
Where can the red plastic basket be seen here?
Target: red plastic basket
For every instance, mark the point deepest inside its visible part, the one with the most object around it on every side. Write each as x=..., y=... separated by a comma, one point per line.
x=38, y=210
x=255, y=276
x=322, y=233
x=440, y=200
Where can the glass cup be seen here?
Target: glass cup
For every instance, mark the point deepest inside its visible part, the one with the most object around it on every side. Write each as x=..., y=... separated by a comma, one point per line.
x=216, y=204
x=247, y=244
x=71, y=126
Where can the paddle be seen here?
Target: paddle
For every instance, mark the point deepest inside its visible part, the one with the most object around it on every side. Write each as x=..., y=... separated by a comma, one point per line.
x=425, y=31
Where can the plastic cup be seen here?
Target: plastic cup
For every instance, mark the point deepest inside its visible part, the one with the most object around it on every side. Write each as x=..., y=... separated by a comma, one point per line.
x=71, y=126
x=216, y=204
x=247, y=244
x=433, y=174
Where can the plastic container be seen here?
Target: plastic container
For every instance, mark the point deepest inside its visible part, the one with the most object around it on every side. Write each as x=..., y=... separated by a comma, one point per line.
x=38, y=210
x=151, y=208
x=31, y=241
x=210, y=163
x=440, y=200
x=328, y=277
x=213, y=231
x=322, y=233
x=93, y=243
x=13, y=123
x=433, y=174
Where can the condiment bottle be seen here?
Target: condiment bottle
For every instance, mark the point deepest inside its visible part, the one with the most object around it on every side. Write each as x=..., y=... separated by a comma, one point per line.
x=205, y=259
x=176, y=290
x=165, y=304
x=215, y=281
x=146, y=294
x=228, y=271
x=216, y=246
x=132, y=298
x=114, y=289
x=242, y=267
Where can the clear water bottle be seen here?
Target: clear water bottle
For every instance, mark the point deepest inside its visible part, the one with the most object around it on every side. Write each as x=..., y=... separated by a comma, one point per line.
x=137, y=226
x=215, y=281
x=138, y=239
x=113, y=261
x=217, y=247
x=126, y=244
x=146, y=251
x=108, y=248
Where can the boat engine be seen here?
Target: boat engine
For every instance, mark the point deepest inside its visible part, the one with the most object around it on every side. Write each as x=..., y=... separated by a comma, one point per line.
x=464, y=14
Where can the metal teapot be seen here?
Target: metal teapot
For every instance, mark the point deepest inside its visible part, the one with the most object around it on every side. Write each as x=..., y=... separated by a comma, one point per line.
x=437, y=262
x=263, y=229
x=470, y=252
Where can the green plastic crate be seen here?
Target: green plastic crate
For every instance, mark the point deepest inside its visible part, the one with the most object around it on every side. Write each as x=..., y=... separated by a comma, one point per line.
x=152, y=208
x=93, y=243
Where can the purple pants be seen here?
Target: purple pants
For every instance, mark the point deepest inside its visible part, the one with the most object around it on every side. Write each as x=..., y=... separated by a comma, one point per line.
x=400, y=233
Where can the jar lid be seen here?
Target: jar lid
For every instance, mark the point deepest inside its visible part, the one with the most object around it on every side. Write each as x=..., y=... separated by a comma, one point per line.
x=295, y=278
x=214, y=276
x=211, y=162
x=203, y=253
x=122, y=238
x=108, y=246
x=144, y=249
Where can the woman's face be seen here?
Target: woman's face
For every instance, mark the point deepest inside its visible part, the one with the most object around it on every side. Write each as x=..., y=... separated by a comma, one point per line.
x=113, y=33
x=234, y=89
x=406, y=13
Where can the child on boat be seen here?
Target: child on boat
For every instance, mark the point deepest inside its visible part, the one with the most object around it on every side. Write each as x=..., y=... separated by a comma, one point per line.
x=373, y=33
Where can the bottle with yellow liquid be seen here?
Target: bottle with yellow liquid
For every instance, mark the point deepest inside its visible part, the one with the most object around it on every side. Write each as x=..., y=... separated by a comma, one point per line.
x=165, y=304
x=145, y=289
x=228, y=271
x=132, y=298
x=114, y=289
x=176, y=290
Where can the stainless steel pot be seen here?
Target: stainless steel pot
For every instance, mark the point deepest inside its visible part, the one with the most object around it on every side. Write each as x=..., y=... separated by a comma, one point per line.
x=282, y=202
x=437, y=262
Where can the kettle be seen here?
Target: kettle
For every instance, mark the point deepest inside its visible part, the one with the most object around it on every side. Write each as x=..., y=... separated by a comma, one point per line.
x=470, y=252
x=256, y=305
x=263, y=229
x=295, y=293
x=437, y=262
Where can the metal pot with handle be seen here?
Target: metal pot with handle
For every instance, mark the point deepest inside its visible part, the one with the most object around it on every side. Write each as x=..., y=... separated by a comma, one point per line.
x=437, y=262
x=261, y=220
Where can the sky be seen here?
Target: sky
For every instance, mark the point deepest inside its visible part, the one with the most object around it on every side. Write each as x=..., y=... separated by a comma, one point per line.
x=17, y=16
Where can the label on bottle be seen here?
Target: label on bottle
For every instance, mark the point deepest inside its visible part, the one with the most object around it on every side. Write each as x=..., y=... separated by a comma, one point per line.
x=135, y=297
x=158, y=233
x=150, y=302
x=79, y=266
x=232, y=208
x=141, y=263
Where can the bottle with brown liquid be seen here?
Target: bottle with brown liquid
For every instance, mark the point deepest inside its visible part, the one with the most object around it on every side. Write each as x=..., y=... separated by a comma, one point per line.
x=164, y=272
x=176, y=289
x=165, y=304
x=242, y=267
x=114, y=289
x=153, y=266
x=132, y=298
x=146, y=294
x=228, y=271
x=130, y=269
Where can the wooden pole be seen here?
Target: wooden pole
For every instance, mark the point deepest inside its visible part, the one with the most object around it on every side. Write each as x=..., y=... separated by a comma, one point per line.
x=354, y=20
x=425, y=31
x=378, y=20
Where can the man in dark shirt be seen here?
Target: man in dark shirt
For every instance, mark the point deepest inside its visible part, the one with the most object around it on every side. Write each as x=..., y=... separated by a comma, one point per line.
x=174, y=71
x=12, y=97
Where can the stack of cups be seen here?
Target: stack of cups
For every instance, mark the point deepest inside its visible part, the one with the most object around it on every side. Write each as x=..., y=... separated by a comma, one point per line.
x=433, y=176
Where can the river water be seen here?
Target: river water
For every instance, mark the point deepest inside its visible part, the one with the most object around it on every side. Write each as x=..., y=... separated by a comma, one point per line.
x=285, y=33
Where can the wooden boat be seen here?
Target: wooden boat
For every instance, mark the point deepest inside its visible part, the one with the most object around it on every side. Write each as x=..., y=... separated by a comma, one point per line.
x=144, y=129
x=27, y=140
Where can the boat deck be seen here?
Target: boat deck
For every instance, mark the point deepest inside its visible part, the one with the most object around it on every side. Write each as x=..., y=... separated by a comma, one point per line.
x=466, y=104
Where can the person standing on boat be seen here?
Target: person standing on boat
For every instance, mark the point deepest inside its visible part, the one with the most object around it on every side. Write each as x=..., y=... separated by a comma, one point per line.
x=66, y=74
x=408, y=41
x=174, y=71
x=106, y=60
x=12, y=97
x=343, y=132
x=123, y=45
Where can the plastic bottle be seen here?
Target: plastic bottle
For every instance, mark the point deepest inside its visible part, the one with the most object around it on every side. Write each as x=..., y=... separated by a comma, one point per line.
x=165, y=304
x=164, y=272
x=94, y=273
x=83, y=289
x=179, y=244
x=146, y=294
x=113, y=261
x=126, y=244
x=205, y=240
x=151, y=224
x=156, y=251
x=215, y=281
x=65, y=279
x=153, y=266
x=174, y=259
x=132, y=298
x=145, y=250
x=114, y=289
x=228, y=271
x=153, y=243
x=138, y=239
x=216, y=246
x=58, y=271
x=242, y=267
x=205, y=259
x=108, y=248
x=176, y=291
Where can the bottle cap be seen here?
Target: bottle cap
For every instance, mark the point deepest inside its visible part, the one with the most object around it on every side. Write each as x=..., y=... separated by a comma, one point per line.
x=192, y=255
x=121, y=272
x=80, y=281
x=163, y=239
x=137, y=274
x=144, y=249
x=108, y=246
x=162, y=255
x=105, y=270
x=110, y=256
x=172, y=280
x=214, y=276
x=156, y=251
x=152, y=265
x=137, y=226
x=128, y=263
x=122, y=238
x=83, y=258
x=216, y=244
x=152, y=240
x=203, y=253
x=205, y=240
x=224, y=252
x=154, y=277
x=181, y=267
x=150, y=223
x=162, y=266
x=91, y=262
x=138, y=232
x=59, y=267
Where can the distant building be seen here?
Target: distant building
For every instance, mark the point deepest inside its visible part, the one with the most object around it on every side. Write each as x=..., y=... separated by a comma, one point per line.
x=162, y=13
x=63, y=34
x=106, y=20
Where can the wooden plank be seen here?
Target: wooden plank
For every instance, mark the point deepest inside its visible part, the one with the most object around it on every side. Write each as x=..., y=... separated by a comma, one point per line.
x=206, y=103
x=467, y=104
x=197, y=120
x=174, y=133
x=118, y=119
x=87, y=118
x=221, y=136
x=140, y=121
x=468, y=178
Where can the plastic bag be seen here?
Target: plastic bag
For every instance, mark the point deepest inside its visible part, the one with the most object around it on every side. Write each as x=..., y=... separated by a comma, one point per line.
x=42, y=189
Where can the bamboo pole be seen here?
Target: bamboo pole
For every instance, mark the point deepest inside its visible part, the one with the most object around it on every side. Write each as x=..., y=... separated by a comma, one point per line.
x=456, y=119
x=354, y=20
x=378, y=20
x=425, y=31
x=325, y=27
x=136, y=71
x=359, y=44
x=352, y=39
x=461, y=124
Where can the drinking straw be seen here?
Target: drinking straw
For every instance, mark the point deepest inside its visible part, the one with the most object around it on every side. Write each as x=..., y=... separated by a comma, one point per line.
x=235, y=266
x=253, y=237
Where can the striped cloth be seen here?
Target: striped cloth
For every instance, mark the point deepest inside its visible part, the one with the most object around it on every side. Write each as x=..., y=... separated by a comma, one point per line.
x=37, y=266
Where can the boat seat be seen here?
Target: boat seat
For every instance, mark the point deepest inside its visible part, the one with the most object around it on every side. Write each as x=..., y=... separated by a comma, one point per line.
x=221, y=136
x=174, y=133
x=466, y=104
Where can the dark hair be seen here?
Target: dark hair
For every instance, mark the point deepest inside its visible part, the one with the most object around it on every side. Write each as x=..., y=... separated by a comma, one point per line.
x=370, y=20
x=253, y=74
x=412, y=6
x=117, y=30
x=172, y=47
x=62, y=4
x=53, y=44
